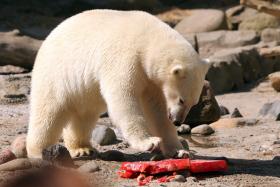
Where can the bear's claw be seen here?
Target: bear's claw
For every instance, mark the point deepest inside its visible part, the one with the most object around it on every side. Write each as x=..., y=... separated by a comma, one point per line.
x=183, y=154
x=80, y=152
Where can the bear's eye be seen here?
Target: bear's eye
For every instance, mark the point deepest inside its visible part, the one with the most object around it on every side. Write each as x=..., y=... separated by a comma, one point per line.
x=181, y=101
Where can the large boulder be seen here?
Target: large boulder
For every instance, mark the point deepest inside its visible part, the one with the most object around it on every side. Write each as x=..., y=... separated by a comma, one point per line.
x=211, y=42
x=18, y=50
x=245, y=18
x=202, y=20
x=206, y=111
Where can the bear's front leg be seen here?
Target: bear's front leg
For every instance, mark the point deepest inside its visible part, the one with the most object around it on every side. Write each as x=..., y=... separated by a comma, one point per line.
x=125, y=111
x=161, y=126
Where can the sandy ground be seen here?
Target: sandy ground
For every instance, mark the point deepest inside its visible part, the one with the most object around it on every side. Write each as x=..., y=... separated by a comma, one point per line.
x=253, y=158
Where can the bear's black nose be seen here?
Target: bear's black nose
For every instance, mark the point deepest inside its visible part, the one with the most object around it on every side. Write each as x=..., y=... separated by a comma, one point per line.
x=177, y=123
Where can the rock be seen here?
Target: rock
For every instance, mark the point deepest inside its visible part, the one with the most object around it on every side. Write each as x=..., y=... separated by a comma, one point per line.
x=178, y=178
x=14, y=88
x=10, y=69
x=18, y=50
x=226, y=123
x=211, y=42
x=173, y=16
x=231, y=68
x=104, y=135
x=58, y=155
x=245, y=18
x=18, y=146
x=206, y=111
x=89, y=167
x=236, y=114
x=270, y=35
x=22, y=164
x=6, y=156
x=271, y=110
x=183, y=129
x=223, y=110
x=202, y=130
x=193, y=179
x=232, y=22
x=274, y=78
x=259, y=22
x=209, y=20
x=112, y=155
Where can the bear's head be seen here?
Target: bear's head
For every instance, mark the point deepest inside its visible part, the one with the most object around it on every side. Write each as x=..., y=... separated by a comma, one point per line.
x=183, y=88
x=182, y=79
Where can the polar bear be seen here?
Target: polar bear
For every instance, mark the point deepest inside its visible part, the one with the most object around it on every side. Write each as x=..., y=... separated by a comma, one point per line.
x=129, y=63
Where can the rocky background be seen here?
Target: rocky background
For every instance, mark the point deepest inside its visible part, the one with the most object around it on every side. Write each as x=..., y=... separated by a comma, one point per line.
x=237, y=117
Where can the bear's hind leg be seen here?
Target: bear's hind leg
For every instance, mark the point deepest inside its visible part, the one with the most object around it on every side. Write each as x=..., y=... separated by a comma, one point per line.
x=77, y=135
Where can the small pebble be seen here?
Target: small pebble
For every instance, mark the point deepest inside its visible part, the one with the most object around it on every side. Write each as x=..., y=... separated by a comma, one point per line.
x=223, y=110
x=178, y=178
x=202, y=130
x=58, y=155
x=183, y=129
x=236, y=114
x=276, y=142
x=6, y=156
x=112, y=155
x=104, y=135
x=18, y=146
x=89, y=167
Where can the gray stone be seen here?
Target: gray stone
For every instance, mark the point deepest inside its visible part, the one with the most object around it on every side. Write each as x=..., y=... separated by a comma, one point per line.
x=183, y=129
x=178, y=178
x=271, y=110
x=223, y=110
x=202, y=130
x=270, y=35
x=104, y=135
x=236, y=113
x=112, y=155
x=211, y=42
x=209, y=20
x=18, y=146
x=58, y=155
x=206, y=111
x=89, y=167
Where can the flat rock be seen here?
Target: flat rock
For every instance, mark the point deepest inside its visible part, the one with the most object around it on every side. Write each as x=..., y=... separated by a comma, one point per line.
x=18, y=146
x=22, y=164
x=6, y=155
x=104, y=135
x=58, y=155
x=10, y=69
x=183, y=129
x=274, y=79
x=226, y=123
x=209, y=20
x=202, y=130
x=206, y=111
x=89, y=167
x=271, y=110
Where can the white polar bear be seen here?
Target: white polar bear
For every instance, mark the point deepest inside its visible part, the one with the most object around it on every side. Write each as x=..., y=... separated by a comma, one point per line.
x=127, y=62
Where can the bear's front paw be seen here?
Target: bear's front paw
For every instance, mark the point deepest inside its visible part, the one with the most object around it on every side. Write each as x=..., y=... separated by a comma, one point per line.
x=80, y=152
x=151, y=144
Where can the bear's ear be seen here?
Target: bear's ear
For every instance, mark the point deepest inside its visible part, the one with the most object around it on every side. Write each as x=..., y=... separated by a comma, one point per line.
x=177, y=70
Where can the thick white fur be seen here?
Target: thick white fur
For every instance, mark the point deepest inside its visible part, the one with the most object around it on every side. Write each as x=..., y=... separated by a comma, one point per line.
x=118, y=61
